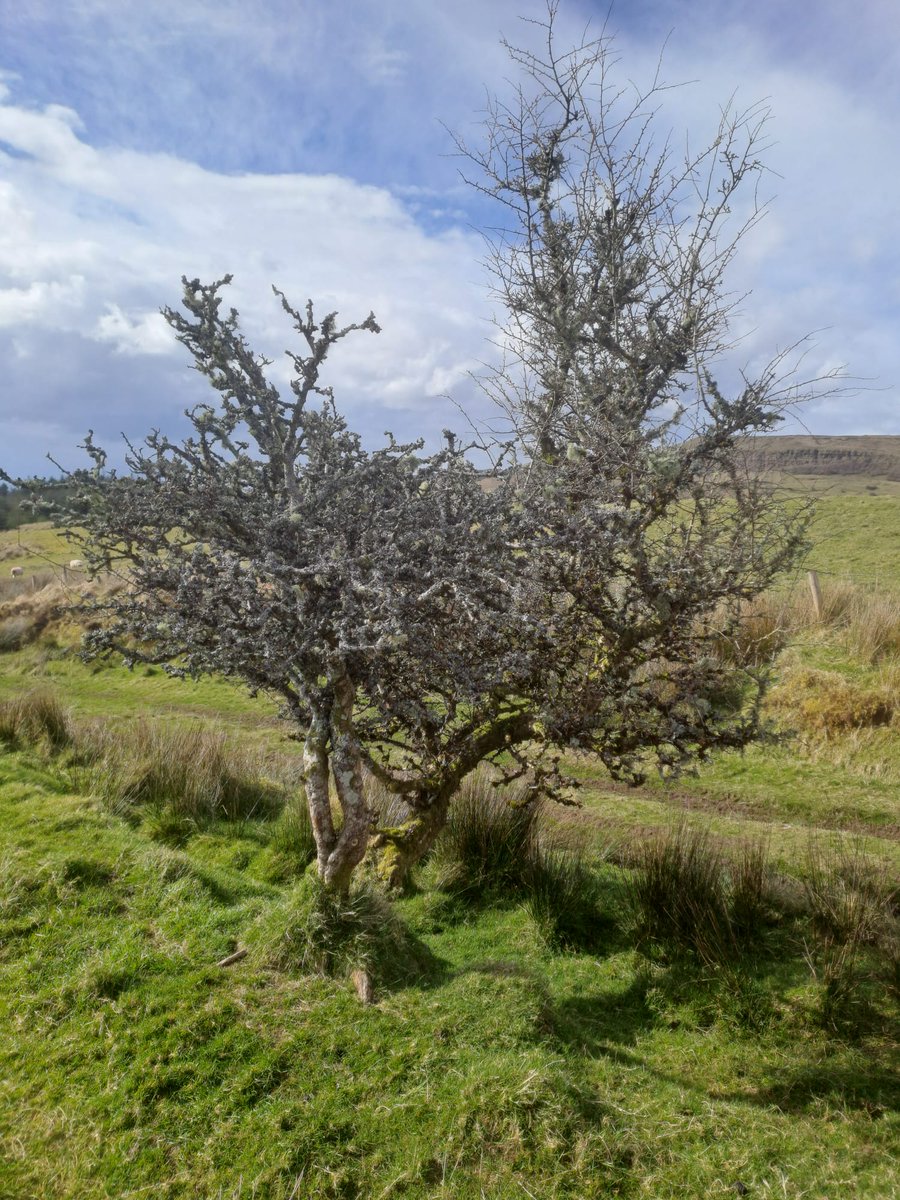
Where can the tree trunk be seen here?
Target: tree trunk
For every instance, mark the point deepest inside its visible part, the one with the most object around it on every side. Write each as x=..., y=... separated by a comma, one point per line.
x=346, y=765
x=315, y=781
x=397, y=850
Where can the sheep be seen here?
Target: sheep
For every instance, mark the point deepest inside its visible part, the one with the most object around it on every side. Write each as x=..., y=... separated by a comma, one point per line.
x=76, y=564
x=16, y=572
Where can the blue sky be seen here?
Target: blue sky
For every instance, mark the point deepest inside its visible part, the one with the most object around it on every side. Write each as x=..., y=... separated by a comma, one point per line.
x=299, y=143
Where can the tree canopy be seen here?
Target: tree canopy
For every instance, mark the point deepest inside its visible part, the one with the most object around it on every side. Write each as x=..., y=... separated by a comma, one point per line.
x=415, y=623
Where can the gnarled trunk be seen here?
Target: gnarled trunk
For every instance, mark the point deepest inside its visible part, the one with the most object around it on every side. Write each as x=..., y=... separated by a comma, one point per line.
x=396, y=850
x=346, y=765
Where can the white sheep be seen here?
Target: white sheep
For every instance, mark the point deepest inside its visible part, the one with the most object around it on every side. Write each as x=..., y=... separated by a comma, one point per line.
x=76, y=564
x=16, y=572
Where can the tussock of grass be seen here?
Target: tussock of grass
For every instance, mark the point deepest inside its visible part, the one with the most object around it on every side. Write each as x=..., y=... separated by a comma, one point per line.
x=698, y=905
x=873, y=627
x=852, y=904
x=564, y=897
x=182, y=775
x=766, y=626
x=316, y=930
x=688, y=898
x=292, y=845
x=497, y=844
x=488, y=837
x=35, y=718
x=866, y=623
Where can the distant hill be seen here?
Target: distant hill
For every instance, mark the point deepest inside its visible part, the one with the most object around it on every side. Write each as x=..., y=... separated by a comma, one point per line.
x=875, y=457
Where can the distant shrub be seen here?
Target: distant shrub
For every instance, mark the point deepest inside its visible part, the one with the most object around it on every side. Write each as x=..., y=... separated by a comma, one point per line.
x=16, y=632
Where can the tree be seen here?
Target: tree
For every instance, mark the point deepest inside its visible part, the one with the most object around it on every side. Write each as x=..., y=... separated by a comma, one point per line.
x=415, y=624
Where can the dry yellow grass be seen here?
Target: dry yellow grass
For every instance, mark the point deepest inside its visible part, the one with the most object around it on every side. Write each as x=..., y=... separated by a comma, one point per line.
x=866, y=623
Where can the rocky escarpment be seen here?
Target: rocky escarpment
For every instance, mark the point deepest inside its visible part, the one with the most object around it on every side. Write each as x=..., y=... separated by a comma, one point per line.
x=876, y=455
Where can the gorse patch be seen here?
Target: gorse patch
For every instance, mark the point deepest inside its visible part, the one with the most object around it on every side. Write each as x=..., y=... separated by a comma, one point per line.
x=825, y=703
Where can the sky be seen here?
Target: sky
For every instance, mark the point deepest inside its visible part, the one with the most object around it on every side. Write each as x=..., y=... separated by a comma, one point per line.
x=303, y=144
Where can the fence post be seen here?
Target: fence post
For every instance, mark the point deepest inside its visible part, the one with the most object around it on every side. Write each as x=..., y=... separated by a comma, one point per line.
x=813, y=577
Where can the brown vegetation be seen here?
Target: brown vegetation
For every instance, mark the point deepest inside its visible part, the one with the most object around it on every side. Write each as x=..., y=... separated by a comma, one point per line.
x=866, y=623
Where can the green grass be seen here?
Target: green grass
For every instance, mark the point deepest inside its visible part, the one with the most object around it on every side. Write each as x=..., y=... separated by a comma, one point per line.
x=106, y=689
x=132, y=1065
x=499, y=1064
x=858, y=537
x=34, y=548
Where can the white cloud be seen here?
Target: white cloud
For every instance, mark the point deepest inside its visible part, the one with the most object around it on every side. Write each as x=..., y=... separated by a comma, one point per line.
x=46, y=303
x=147, y=333
x=102, y=237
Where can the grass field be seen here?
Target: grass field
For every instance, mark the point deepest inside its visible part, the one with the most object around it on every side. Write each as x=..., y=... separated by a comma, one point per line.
x=496, y=1063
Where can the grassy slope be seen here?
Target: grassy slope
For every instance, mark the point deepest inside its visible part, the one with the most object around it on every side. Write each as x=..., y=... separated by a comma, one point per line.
x=858, y=537
x=33, y=548
x=132, y=1065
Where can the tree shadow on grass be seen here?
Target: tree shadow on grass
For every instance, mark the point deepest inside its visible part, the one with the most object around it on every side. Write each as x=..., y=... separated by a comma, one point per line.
x=869, y=1089
x=590, y=1023
x=412, y=964
x=609, y=1023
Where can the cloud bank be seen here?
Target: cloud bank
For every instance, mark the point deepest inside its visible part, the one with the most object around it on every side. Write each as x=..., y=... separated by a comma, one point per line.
x=294, y=145
x=94, y=241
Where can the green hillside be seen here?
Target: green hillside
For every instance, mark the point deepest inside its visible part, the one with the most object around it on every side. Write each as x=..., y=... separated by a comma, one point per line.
x=550, y=1037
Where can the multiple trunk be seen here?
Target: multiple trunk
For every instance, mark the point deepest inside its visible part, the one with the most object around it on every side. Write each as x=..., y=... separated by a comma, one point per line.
x=394, y=850
x=331, y=740
x=332, y=751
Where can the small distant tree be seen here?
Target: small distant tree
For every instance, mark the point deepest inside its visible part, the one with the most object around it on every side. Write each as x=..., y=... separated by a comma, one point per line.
x=415, y=624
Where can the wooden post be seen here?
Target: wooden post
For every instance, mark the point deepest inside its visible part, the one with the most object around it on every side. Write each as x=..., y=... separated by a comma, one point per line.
x=813, y=577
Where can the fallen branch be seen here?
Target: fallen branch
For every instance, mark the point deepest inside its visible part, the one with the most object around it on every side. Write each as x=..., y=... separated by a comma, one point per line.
x=231, y=958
